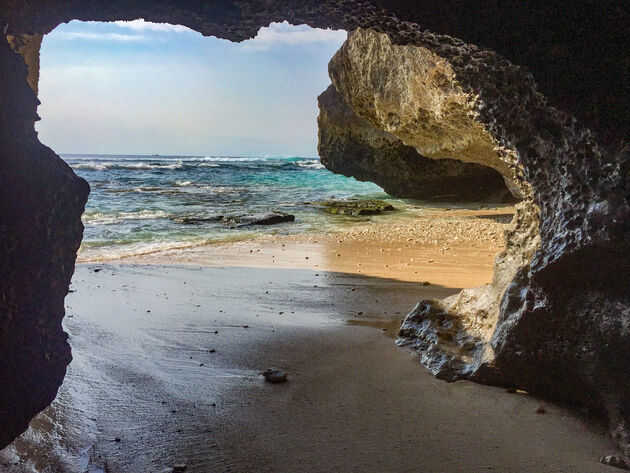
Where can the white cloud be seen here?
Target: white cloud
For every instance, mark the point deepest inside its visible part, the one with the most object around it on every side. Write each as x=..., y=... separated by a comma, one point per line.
x=141, y=25
x=285, y=33
x=100, y=36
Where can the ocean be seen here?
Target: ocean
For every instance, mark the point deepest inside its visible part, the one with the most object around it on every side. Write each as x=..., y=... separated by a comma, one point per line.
x=144, y=204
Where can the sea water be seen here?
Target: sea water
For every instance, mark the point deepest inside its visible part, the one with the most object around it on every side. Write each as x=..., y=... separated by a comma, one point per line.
x=140, y=204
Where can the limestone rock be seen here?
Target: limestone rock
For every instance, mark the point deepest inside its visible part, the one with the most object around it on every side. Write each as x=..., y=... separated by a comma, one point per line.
x=351, y=145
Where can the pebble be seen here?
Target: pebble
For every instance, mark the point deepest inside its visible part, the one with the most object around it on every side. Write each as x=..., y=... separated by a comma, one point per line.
x=613, y=460
x=274, y=375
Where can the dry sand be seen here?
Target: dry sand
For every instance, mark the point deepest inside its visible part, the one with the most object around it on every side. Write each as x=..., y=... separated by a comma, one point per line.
x=449, y=248
x=167, y=359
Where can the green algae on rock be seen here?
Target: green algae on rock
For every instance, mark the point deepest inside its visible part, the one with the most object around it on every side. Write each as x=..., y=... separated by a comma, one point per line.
x=356, y=208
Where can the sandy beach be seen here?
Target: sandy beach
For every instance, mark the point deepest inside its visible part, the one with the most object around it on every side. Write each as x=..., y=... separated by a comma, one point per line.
x=453, y=248
x=169, y=348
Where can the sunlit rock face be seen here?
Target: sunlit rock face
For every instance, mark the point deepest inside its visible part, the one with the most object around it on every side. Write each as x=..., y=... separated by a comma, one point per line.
x=414, y=94
x=351, y=145
x=28, y=47
x=555, y=318
x=549, y=114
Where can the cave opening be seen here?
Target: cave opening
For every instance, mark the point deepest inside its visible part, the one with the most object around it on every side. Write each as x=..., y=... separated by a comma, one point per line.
x=529, y=330
x=147, y=208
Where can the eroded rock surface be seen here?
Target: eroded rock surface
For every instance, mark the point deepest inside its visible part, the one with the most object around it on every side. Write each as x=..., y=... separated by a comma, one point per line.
x=554, y=320
x=352, y=146
x=557, y=130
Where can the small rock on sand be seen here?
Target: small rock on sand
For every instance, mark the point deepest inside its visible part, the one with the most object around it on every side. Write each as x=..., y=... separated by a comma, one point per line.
x=613, y=460
x=274, y=375
x=175, y=469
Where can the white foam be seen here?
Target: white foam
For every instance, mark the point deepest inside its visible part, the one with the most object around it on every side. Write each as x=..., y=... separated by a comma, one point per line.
x=103, y=166
x=99, y=218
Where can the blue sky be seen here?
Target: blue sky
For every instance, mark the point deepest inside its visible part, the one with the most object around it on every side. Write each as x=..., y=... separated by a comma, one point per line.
x=145, y=88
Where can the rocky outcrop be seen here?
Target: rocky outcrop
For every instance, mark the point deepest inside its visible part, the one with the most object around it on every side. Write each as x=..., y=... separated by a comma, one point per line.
x=553, y=320
x=557, y=129
x=413, y=94
x=352, y=146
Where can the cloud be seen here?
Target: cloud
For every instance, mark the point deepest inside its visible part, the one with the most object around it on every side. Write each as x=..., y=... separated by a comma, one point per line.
x=70, y=35
x=287, y=34
x=141, y=25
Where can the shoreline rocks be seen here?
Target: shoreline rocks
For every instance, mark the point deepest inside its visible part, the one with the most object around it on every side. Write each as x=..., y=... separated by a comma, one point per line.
x=356, y=208
x=233, y=221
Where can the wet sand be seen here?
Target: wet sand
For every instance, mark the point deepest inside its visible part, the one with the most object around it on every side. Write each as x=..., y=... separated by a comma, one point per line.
x=167, y=363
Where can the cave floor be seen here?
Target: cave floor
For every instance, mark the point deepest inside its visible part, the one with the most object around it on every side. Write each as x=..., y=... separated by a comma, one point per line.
x=145, y=391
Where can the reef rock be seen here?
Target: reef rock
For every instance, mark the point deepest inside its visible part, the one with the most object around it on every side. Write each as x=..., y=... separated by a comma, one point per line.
x=352, y=146
x=356, y=207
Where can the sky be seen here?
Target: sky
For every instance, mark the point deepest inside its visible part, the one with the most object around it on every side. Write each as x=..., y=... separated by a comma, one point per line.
x=146, y=88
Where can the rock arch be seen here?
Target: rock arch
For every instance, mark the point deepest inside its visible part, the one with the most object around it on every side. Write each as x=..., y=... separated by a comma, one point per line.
x=553, y=100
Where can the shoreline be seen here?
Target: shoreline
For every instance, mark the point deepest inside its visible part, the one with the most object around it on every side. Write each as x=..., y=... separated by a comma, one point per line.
x=453, y=248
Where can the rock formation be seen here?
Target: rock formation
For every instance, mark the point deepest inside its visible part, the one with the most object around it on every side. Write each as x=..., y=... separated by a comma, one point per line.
x=41, y=201
x=532, y=327
x=547, y=110
x=352, y=146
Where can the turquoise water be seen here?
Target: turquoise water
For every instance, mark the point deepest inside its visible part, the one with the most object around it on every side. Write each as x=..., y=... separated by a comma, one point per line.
x=137, y=203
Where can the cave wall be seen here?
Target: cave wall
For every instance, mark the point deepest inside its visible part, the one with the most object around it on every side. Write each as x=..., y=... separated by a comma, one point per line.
x=554, y=103
x=41, y=201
